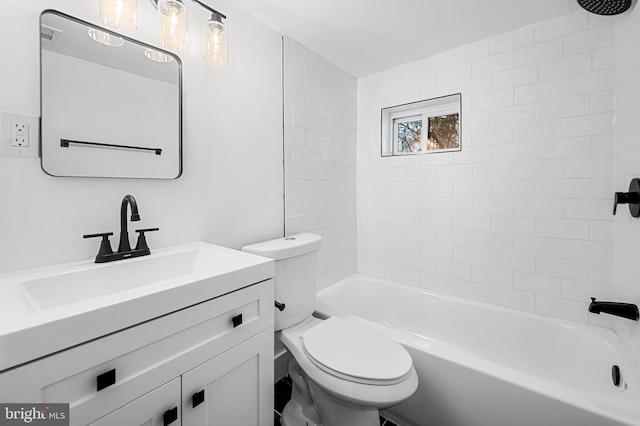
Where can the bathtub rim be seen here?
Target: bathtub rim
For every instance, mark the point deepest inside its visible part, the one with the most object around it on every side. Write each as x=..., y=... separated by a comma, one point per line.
x=601, y=331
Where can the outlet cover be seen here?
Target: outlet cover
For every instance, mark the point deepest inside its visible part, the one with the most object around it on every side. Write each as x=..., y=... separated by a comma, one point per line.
x=19, y=135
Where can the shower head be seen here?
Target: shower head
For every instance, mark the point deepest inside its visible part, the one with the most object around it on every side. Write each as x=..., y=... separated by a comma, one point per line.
x=605, y=7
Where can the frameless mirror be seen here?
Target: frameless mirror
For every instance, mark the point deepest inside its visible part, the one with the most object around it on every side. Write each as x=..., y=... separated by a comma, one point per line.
x=423, y=127
x=110, y=106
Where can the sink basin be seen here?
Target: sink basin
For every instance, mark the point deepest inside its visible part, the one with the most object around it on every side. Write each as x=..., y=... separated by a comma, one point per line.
x=49, y=309
x=106, y=279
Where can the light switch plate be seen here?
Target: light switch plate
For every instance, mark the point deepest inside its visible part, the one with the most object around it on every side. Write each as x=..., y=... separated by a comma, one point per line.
x=19, y=135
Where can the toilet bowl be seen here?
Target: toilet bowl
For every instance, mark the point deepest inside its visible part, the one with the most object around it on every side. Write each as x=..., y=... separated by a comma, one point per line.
x=352, y=371
x=343, y=372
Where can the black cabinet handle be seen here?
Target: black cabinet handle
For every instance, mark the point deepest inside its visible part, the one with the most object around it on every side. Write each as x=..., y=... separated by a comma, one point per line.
x=170, y=416
x=105, y=380
x=197, y=398
x=237, y=320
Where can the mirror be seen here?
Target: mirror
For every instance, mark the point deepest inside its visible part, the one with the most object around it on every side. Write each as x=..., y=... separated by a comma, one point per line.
x=423, y=127
x=110, y=106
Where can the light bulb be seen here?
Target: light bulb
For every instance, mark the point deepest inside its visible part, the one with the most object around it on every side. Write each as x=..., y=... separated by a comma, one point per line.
x=119, y=13
x=174, y=29
x=215, y=41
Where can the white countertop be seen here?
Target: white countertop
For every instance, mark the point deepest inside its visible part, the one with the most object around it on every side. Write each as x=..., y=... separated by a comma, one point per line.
x=29, y=330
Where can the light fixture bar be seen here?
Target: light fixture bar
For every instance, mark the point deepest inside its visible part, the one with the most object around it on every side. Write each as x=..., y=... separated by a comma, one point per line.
x=210, y=9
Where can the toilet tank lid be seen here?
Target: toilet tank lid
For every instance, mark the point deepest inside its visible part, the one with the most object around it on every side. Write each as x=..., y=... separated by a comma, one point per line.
x=287, y=247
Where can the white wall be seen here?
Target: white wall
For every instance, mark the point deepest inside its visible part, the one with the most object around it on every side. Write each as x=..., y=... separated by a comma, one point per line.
x=522, y=216
x=627, y=166
x=320, y=157
x=231, y=190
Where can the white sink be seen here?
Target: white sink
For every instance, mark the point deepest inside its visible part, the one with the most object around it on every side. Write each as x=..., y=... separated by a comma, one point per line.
x=49, y=309
x=105, y=279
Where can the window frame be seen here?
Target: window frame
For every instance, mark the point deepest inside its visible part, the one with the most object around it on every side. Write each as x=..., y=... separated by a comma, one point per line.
x=423, y=110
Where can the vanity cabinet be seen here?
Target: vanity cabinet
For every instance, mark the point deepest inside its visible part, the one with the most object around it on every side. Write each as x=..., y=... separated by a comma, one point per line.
x=148, y=374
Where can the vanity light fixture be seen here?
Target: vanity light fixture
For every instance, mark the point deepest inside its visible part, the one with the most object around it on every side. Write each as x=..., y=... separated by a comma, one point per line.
x=120, y=14
x=174, y=26
x=215, y=46
x=174, y=30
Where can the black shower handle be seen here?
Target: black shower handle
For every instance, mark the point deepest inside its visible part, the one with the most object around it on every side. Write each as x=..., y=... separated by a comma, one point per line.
x=632, y=198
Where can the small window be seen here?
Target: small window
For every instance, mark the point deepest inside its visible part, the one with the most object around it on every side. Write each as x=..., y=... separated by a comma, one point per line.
x=408, y=135
x=424, y=127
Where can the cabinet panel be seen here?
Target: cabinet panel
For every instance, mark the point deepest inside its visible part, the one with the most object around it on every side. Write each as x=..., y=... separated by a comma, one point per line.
x=143, y=357
x=148, y=410
x=237, y=385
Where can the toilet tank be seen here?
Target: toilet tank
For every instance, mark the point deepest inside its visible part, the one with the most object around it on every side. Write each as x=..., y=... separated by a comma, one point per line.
x=296, y=260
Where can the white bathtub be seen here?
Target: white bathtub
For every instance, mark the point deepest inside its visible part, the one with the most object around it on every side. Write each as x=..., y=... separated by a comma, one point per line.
x=483, y=365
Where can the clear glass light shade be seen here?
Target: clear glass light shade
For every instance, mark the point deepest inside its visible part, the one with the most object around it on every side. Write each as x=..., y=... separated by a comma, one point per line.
x=105, y=38
x=174, y=27
x=216, y=39
x=119, y=13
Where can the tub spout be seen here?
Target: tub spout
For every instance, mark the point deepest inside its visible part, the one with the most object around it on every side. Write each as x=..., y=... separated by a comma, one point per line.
x=624, y=310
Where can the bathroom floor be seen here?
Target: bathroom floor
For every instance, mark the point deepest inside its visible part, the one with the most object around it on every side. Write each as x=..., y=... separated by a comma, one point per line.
x=282, y=394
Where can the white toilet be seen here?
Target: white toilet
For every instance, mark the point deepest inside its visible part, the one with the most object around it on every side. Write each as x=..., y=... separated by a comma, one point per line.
x=343, y=372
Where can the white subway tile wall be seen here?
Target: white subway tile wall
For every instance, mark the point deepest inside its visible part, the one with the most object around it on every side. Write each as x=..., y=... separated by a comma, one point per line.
x=522, y=216
x=320, y=157
x=627, y=166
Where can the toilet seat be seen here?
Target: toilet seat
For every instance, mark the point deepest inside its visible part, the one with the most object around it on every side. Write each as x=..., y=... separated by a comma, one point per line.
x=356, y=353
x=346, y=390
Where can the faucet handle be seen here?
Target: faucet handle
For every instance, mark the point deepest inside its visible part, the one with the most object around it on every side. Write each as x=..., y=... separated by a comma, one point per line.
x=142, y=240
x=105, y=245
x=103, y=235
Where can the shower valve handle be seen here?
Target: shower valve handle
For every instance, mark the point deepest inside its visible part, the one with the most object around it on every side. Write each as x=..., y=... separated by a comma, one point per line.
x=632, y=198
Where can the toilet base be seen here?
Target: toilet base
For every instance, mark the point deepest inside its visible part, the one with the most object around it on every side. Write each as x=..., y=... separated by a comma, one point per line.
x=300, y=410
x=340, y=413
x=310, y=405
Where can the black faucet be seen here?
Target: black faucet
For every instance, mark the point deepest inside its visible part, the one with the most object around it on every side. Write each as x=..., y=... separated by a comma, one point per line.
x=135, y=217
x=624, y=310
x=106, y=254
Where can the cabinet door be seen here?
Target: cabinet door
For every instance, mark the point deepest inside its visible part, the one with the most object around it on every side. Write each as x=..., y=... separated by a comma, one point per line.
x=235, y=388
x=159, y=407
